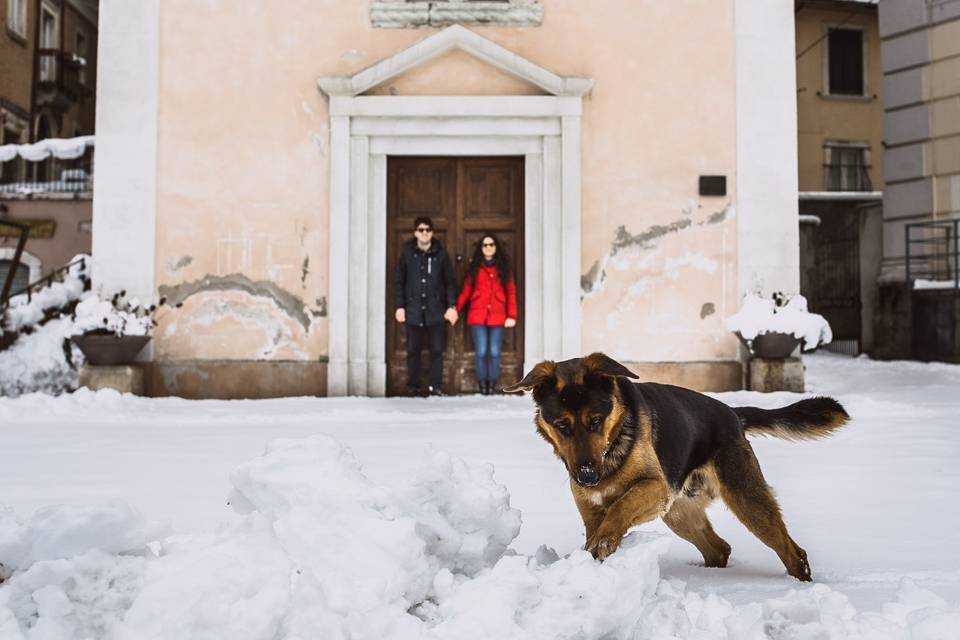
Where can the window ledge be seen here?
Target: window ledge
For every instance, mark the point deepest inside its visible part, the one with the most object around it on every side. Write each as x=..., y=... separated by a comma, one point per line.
x=391, y=14
x=20, y=39
x=843, y=97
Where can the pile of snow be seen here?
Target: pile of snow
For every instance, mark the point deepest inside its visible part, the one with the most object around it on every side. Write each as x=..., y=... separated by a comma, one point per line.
x=319, y=551
x=758, y=316
x=37, y=361
x=24, y=313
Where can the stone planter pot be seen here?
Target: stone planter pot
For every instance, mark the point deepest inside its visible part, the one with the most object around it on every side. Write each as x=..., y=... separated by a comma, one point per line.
x=772, y=346
x=109, y=350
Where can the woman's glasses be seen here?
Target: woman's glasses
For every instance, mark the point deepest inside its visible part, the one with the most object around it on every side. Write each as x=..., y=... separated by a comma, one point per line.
x=489, y=244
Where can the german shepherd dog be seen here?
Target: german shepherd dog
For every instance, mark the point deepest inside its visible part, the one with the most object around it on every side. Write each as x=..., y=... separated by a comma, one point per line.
x=636, y=451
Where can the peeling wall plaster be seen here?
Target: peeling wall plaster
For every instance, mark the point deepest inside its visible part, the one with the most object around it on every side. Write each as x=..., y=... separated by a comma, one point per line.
x=286, y=301
x=645, y=240
x=220, y=324
x=175, y=263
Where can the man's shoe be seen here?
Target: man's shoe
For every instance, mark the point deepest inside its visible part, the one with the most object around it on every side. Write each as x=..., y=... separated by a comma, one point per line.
x=435, y=391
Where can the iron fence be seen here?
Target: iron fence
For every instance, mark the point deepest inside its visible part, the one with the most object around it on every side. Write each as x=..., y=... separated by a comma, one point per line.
x=46, y=281
x=53, y=175
x=933, y=253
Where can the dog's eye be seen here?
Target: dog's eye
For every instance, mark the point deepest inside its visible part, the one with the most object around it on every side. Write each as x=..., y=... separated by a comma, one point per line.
x=563, y=427
x=595, y=422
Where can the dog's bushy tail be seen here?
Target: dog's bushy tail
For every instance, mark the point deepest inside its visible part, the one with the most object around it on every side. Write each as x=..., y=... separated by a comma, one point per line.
x=805, y=420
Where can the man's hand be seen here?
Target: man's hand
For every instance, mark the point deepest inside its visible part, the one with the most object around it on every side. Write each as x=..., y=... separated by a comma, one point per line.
x=451, y=316
x=510, y=323
x=401, y=315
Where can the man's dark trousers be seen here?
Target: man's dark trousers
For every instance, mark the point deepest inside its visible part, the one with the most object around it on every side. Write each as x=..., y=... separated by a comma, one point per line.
x=435, y=334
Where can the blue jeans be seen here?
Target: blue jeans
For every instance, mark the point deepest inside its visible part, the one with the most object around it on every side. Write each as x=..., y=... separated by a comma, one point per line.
x=487, y=342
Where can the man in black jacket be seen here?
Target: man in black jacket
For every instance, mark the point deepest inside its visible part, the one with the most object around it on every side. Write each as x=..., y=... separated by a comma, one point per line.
x=426, y=296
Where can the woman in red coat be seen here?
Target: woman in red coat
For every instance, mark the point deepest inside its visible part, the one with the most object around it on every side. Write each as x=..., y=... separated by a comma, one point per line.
x=492, y=295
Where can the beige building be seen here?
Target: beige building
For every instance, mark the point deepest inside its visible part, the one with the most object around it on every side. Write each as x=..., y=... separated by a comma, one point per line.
x=263, y=166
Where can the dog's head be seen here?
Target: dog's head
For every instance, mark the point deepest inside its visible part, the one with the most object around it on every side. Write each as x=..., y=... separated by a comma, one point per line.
x=579, y=411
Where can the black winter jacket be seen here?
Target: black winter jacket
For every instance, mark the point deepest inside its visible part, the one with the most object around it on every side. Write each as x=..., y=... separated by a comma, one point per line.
x=424, y=283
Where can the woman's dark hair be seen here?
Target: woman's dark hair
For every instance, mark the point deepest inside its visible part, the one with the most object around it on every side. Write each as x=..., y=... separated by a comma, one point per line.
x=500, y=258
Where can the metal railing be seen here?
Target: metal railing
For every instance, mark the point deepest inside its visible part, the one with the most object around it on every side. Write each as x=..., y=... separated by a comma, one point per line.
x=62, y=71
x=53, y=175
x=47, y=280
x=15, y=263
x=933, y=253
x=847, y=177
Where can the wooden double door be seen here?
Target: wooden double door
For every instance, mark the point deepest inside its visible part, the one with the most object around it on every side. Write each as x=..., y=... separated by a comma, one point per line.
x=466, y=198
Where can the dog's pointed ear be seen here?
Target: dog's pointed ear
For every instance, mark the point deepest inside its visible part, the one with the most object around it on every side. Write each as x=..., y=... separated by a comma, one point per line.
x=604, y=365
x=540, y=374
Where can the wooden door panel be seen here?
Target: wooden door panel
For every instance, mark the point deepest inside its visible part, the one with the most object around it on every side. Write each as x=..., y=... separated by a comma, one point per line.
x=465, y=198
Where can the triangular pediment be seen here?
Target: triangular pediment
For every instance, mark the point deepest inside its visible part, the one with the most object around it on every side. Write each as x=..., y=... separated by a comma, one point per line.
x=455, y=73
x=451, y=38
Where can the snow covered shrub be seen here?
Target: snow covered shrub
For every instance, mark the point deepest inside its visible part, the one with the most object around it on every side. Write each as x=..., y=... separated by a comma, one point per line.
x=117, y=315
x=780, y=314
x=33, y=353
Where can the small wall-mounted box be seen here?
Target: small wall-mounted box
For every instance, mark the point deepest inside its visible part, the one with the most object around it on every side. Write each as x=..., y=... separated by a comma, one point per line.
x=713, y=185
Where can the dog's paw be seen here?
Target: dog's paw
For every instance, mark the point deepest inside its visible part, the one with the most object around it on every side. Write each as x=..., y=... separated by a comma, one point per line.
x=603, y=544
x=801, y=568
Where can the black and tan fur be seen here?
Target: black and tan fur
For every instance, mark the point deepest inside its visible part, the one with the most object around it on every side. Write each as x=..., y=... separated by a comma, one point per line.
x=637, y=451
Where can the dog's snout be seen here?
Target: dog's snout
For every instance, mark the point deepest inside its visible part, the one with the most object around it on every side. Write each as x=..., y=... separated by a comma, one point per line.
x=587, y=475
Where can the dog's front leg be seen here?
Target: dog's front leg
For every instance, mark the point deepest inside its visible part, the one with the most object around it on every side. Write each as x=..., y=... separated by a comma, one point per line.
x=642, y=502
x=590, y=511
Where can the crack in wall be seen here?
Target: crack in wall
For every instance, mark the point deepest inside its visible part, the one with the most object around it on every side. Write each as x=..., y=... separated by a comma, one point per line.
x=288, y=303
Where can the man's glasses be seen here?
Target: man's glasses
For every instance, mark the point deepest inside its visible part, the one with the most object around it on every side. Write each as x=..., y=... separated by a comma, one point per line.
x=424, y=229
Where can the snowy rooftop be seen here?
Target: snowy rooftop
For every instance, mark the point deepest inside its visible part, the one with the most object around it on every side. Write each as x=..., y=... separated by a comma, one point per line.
x=392, y=539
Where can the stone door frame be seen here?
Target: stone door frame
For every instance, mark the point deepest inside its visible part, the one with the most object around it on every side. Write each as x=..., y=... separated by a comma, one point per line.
x=364, y=130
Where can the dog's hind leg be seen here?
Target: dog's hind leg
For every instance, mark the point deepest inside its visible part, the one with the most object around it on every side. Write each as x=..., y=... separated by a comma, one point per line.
x=688, y=520
x=747, y=494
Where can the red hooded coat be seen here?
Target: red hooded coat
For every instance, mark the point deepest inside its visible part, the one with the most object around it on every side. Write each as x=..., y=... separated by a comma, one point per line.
x=490, y=303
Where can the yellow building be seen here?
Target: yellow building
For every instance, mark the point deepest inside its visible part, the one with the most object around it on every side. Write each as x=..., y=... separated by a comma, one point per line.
x=840, y=163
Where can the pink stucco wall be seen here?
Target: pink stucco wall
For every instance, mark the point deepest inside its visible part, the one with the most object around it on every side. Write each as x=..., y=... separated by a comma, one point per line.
x=242, y=174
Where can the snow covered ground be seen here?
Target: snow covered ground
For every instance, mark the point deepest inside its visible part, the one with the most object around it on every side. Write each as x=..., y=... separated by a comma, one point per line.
x=398, y=539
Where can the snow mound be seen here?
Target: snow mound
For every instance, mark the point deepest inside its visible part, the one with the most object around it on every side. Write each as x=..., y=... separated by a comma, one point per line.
x=36, y=362
x=66, y=531
x=316, y=550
